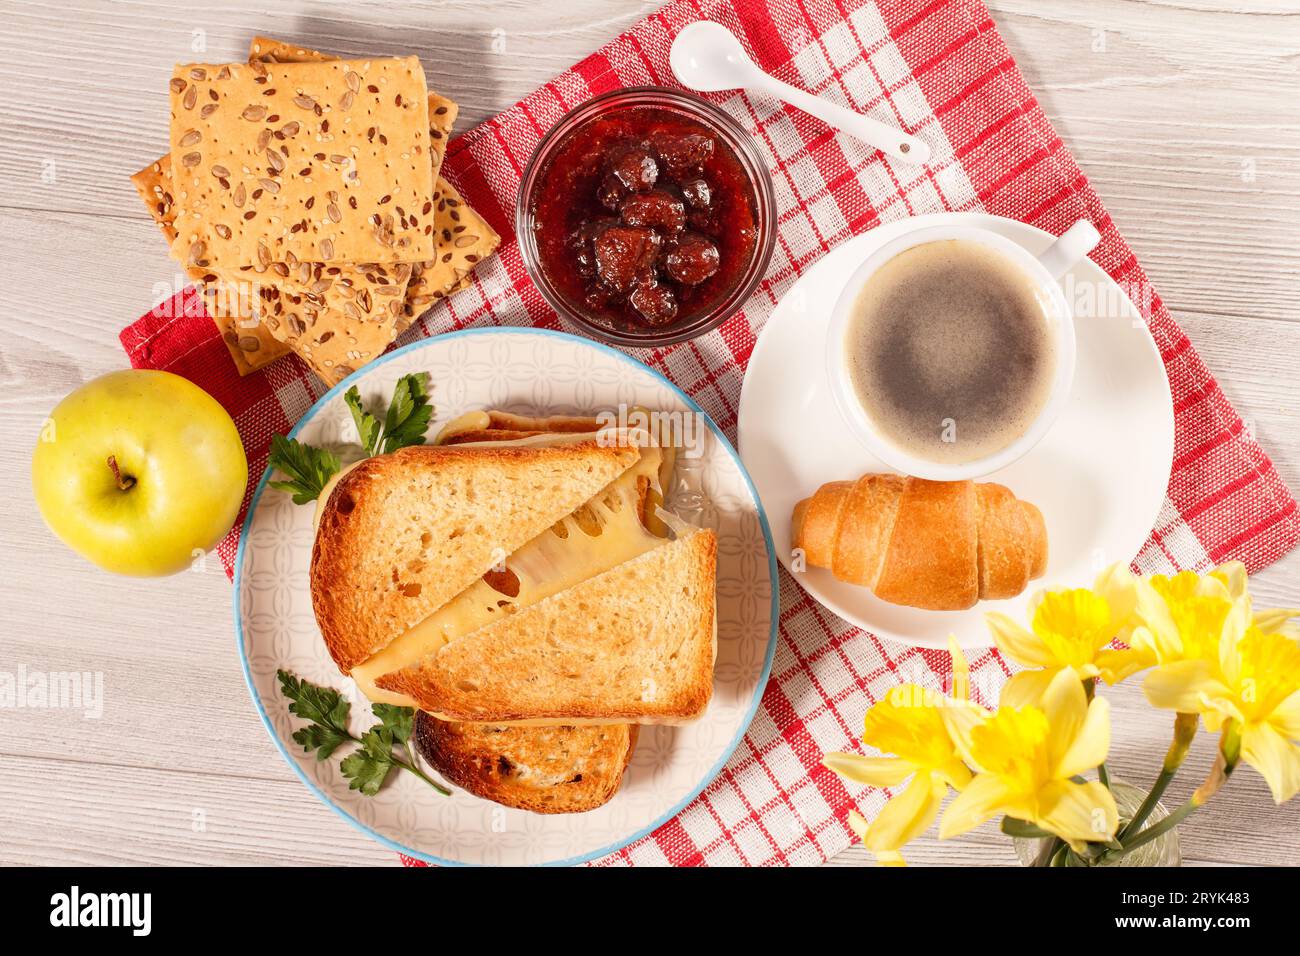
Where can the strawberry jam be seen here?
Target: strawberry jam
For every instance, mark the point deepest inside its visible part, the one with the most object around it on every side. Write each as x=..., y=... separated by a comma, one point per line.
x=644, y=218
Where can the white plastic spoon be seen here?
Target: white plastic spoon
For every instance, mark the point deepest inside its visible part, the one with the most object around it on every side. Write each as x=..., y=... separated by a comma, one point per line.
x=707, y=57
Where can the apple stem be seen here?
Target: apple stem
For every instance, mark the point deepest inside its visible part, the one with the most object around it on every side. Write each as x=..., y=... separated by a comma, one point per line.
x=124, y=482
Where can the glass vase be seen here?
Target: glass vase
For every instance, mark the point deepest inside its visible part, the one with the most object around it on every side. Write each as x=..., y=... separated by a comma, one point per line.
x=1162, y=851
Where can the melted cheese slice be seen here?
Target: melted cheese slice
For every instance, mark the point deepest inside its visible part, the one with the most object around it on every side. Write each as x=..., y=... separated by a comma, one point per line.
x=468, y=422
x=607, y=531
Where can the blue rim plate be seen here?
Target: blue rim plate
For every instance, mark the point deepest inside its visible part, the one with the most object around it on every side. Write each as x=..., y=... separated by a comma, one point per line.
x=705, y=779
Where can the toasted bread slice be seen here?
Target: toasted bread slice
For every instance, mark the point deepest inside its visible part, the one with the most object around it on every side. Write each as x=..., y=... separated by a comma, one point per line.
x=490, y=435
x=635, y=643
x=542, y=769
x=611, y=528
x=402, y=534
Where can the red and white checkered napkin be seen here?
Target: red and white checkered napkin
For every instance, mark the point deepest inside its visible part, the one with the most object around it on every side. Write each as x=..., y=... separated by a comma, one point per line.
x=939, y=69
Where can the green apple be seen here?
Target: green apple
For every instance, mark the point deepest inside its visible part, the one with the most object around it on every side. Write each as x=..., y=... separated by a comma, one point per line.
x=140, y=471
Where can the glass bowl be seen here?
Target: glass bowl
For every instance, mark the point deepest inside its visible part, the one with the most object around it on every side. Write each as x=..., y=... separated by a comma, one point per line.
x=731, y=135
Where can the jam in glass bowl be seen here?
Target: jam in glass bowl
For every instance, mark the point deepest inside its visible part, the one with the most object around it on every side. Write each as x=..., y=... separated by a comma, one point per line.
x=646, y=217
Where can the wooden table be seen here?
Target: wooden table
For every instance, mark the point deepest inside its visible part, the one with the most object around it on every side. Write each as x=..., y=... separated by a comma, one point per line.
x=1185, y=115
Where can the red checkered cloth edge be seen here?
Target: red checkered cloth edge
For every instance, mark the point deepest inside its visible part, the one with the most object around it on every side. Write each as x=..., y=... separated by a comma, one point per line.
x=940, y=70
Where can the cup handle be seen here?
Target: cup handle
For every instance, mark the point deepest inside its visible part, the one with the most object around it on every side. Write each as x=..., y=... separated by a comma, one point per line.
x=1079, y=240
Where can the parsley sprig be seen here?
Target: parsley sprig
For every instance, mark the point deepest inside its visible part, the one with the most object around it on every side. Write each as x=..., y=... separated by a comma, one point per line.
x=405, y=421
x=308, y=469
x=383, y=748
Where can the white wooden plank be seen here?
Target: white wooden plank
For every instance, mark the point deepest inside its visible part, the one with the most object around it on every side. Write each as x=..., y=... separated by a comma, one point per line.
x=113, y=816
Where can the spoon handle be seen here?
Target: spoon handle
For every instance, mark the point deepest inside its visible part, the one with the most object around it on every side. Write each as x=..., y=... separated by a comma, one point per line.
x=890, y=141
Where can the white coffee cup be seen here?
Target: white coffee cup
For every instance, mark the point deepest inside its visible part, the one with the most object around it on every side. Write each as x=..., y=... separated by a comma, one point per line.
x=1043, y=271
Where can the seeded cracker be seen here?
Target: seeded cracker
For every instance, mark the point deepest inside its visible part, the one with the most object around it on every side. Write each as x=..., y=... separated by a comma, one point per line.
x=327, y=161
x=154, y=184
x=330, y=314
x=249, y=341
x=235, y=298
x=463, y=237
x=337, y=315
x=250, y=344
x=464, y=240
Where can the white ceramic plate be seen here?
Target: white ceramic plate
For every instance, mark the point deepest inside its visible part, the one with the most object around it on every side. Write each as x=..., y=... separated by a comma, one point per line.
x=1099, y=476
x=533, y=372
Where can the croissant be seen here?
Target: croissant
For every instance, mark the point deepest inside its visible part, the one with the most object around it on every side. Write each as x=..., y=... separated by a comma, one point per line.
x=938, y=545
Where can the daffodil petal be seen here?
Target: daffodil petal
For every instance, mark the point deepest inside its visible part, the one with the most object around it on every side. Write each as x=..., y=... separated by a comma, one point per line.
x=1273, y=620
x=1182, y=686
x=1286, y=716
x=874, y=771
x=1144, y=641
x=858, y=824
x=1154, y=614
x=1275, y=757
x=1214, y=720
x=1115, y=586
x=890, y=858
x=1235, y=625
x=955, y=773
x=1233, y=576
x=1219, y=708
x=1077, y=812
x=984, y=797
x=1017, y=643
x=1091, y=742
x=960, y=670
x=1117, y=664
x=959, y=717
x=1026, y=688
x=1215, y=587
x=1066, y=706
x=907, y=815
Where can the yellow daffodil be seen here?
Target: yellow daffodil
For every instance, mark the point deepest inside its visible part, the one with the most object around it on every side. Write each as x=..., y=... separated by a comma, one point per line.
x=1069, y=630
x=1183, y=618
x=909, y=723
x=1026, y=759
x=1211, y=657
x=1253, y=680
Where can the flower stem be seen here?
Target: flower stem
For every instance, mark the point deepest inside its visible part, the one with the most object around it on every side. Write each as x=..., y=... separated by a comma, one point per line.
x=1148, y=804
x=1184, y=732
x=1089, y=692
x=1159, y=828
x=1048, y=851
x=1224, y=764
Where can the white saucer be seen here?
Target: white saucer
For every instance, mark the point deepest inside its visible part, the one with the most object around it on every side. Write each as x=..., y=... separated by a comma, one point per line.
x=1099, y=476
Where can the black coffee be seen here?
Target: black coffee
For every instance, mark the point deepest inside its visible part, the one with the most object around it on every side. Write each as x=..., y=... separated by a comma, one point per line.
x=950, y=351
